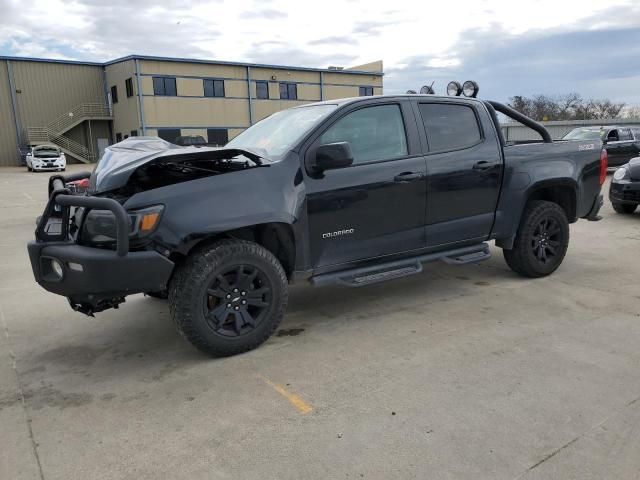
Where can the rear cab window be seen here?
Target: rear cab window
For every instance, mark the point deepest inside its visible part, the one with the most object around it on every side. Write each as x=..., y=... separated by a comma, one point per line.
x=450, y=126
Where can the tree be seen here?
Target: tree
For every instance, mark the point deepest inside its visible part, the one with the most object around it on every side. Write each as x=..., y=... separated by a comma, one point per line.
x=570, y=106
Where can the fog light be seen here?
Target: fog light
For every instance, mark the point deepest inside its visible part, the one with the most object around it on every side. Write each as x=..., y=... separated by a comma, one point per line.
x=470, y=89
x=56, y=267
x=454, y=89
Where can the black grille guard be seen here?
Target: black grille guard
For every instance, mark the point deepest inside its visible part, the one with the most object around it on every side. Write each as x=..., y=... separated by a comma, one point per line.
x=60, y=195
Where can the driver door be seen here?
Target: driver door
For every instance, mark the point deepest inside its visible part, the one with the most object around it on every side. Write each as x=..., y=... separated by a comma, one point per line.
x=377, y=205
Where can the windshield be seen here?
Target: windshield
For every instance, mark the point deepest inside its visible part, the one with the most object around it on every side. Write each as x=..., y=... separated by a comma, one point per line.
x=279, y=132
x=583, y=134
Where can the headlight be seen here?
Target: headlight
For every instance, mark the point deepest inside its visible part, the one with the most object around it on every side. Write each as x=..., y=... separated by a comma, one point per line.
x=99, y=226
x=621, y=174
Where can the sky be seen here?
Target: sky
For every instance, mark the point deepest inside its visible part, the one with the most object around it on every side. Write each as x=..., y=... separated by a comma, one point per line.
x=509, y=47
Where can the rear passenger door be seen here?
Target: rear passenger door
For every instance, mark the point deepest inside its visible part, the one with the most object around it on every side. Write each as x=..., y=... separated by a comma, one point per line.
x=464, y=171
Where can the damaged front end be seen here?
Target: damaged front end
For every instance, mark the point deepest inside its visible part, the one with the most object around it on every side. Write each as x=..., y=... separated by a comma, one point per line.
x=144, y=163
x=94, y=251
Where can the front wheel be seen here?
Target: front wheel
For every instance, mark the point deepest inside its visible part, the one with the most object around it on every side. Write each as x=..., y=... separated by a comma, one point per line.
x=229, y=298
x=541, y=242
x=624, y=208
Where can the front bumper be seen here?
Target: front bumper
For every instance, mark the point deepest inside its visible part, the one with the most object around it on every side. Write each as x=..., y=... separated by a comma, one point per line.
x=49, y=166
x=93, y=279
x=625, y=193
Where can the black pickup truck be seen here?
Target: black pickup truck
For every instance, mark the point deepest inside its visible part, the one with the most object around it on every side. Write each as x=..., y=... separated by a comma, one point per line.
x=353, y=192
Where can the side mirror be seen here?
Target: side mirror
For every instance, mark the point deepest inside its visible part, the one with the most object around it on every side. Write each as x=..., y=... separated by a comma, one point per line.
x=331, y=156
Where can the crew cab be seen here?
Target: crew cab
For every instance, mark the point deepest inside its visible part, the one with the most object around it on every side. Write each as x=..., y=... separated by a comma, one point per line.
x=622, y=143
x=45, y=158
x=350, y=192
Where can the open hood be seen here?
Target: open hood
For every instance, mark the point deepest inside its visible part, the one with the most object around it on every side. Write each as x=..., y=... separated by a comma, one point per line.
x=121, y=160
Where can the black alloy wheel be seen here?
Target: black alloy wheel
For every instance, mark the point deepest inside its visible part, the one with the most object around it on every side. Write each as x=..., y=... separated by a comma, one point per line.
x=546, y=240
x=237, y=300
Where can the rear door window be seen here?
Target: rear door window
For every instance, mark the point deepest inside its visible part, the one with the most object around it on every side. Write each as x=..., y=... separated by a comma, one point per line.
x=450, y=126
x=624, y=134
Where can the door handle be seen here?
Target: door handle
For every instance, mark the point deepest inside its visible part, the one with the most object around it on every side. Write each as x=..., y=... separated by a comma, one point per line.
x=408, y=177
x=484, y=165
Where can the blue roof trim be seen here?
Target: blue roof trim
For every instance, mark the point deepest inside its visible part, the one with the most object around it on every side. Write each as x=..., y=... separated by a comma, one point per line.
x=187, y=60
x=50, y=60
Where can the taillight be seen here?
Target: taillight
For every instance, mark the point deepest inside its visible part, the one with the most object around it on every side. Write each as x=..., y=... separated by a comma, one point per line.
x=604, y=162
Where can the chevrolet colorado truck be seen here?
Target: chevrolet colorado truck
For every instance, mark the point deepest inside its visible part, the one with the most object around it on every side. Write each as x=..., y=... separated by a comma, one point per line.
x=351, y=192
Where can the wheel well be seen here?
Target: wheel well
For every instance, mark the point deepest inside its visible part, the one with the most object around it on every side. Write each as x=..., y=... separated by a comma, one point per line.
x=275, y=237
x=563, y=195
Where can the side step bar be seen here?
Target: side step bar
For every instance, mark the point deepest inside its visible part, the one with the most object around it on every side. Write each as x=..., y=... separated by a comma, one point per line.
x=359, y=277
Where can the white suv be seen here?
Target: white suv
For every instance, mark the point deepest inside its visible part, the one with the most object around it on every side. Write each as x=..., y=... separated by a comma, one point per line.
x=46, y=157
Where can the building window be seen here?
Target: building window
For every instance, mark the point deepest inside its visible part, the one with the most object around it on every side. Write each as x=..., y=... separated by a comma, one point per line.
x=169, y=134
x=114, y=94
x=366, y=91
x=128, y=84
x=165, y=86
x=217, y=136
x=118, y=137
x=288, y=91
x=213, y=88
x=262, y=90
x=134, y=133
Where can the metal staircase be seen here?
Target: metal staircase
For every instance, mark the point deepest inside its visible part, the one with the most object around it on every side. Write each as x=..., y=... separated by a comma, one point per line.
x=54, y=131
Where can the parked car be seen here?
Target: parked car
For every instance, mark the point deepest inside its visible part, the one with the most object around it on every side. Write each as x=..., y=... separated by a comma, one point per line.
x=191, y=140
x=622, y=143
x=46, y=157
x=624, y=191
x=351, y=192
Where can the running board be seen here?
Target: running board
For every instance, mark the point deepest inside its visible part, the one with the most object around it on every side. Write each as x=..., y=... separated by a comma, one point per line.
x=359, y=277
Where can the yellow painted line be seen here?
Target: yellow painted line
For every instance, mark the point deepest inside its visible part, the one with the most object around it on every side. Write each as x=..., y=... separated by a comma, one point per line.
x=295, y=400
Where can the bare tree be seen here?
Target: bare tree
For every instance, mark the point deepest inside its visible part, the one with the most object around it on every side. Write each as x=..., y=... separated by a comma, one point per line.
x=570, y=106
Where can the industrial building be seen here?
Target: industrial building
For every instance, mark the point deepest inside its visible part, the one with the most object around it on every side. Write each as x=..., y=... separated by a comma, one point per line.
x=83, y=106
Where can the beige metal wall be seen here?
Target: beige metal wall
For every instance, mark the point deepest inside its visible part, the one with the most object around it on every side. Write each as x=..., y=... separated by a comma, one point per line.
x=48, y=90
x=193, y=113
x=8, y=139
x=126, y=112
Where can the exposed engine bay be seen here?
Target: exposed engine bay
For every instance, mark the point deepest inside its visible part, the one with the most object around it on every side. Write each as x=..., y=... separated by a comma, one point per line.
x=145, y=163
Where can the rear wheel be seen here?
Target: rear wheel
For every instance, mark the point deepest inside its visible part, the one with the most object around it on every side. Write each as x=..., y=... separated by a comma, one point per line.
x=541, y=242
x=229, y=298
x=624, y=208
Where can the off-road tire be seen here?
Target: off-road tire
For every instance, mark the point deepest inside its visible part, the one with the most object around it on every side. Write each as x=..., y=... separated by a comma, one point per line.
x=523, y=258
x=624, y=208
x=188, y=294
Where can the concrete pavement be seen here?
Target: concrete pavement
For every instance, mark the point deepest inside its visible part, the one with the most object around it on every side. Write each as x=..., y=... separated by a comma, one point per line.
x=460, y=372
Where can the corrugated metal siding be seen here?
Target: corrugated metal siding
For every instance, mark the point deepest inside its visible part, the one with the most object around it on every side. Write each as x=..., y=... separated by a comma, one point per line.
x=516, y=132
x=48, y=90
x=8, y=141
x=125, y=112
